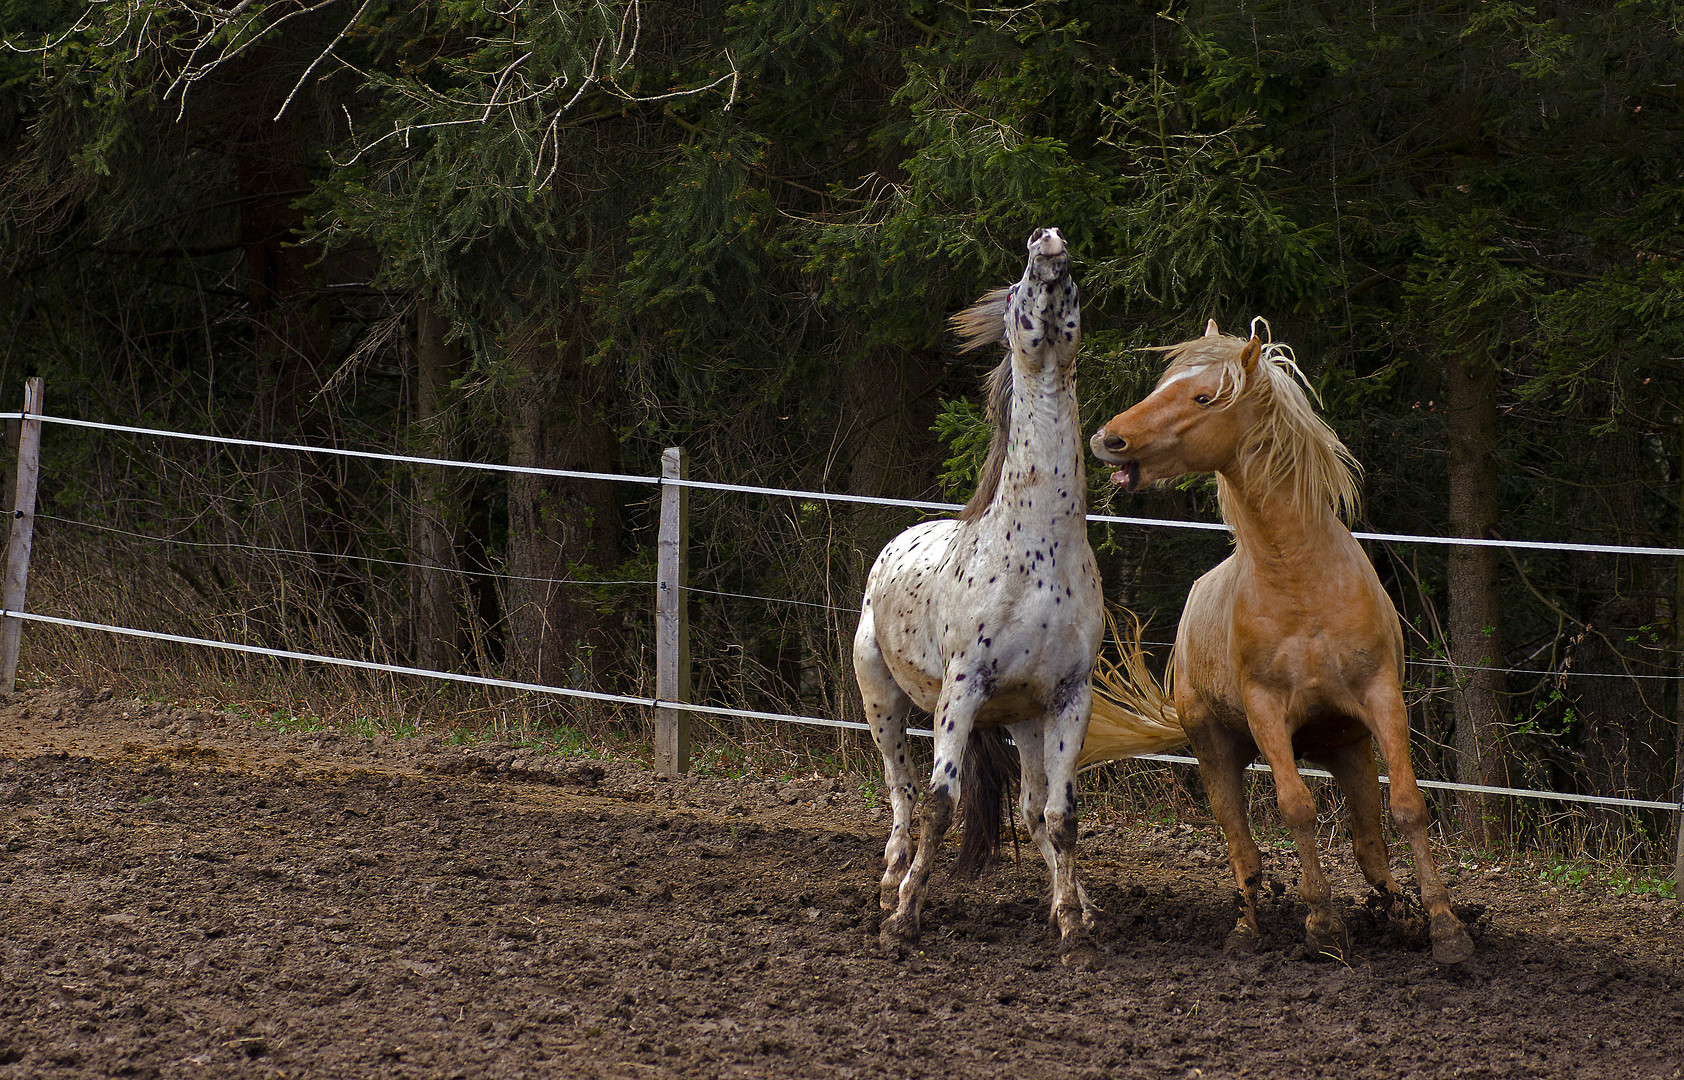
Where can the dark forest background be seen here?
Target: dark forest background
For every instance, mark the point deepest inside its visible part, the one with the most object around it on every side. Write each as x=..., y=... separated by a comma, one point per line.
x=571, y=234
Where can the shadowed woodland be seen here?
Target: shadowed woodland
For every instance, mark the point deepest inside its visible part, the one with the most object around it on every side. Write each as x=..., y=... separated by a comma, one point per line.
x=572, y=234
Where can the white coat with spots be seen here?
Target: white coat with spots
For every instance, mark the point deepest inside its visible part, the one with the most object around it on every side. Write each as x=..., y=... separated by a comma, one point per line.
x=995, y=618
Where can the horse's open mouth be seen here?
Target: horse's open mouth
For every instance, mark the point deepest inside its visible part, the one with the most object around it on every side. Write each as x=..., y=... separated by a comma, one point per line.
x=1127, y=475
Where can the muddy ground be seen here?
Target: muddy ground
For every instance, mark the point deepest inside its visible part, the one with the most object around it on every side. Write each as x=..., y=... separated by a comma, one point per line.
x=186, y=894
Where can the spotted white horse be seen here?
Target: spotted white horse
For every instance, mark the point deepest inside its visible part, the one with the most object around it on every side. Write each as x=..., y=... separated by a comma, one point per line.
x=994, y=618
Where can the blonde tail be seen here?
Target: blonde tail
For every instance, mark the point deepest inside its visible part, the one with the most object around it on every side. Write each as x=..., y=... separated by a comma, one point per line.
x=1133, y=712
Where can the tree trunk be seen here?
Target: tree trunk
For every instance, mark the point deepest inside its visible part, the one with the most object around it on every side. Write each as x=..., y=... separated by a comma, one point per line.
x=1475, y=620
x=434, y=579
x=560, y=530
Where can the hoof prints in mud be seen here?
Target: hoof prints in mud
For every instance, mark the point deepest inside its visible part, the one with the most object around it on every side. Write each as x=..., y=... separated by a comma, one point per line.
x=225, y=916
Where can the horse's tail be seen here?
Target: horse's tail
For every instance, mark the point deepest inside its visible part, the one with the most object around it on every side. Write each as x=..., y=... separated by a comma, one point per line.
x=1133, y=711
x=987, y=789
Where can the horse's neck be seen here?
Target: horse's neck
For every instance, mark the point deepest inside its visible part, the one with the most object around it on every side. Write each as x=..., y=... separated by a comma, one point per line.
x=1275, y=537
x=1043, y=477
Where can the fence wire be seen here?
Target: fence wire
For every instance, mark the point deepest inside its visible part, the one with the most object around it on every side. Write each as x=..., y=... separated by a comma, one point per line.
x=750, y=714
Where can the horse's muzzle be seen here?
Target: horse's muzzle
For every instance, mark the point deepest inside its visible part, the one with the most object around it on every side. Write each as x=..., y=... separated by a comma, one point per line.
x=1109, y=448
x=1049, y=255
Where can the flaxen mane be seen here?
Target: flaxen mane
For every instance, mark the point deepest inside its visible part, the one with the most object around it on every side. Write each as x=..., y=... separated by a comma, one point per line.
x=983, y=324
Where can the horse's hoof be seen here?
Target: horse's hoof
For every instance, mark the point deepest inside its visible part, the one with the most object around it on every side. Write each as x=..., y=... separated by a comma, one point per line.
x=1242, y=941
x=1076, y=949
x=900, y=929
x=1081, y=955
x=1451, y=943
x=1072, y=923
x=893, y=948
x=1328, y=943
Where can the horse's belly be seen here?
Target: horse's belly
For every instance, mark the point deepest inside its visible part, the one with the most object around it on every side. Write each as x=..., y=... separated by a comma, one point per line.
x=1010, y=707
x=1320, y=735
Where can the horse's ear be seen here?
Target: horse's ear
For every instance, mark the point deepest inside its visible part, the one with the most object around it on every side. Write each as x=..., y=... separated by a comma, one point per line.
x=1248, y=356
x=1211, y=330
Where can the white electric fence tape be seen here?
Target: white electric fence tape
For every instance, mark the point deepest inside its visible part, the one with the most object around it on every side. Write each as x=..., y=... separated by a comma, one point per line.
x=749, y=714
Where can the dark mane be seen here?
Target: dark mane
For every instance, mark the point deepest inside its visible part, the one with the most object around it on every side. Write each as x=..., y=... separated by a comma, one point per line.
x=984, y=323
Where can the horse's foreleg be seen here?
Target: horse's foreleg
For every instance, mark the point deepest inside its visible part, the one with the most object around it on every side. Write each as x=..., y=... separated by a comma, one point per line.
x=1451, y=943
x=1222, y=758
x=1324, y=931
x=955, y=713
x=886, y=706
x=1028, y=736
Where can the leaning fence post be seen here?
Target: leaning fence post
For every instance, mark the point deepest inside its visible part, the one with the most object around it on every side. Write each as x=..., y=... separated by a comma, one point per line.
x=23, y=530
x=672, y=619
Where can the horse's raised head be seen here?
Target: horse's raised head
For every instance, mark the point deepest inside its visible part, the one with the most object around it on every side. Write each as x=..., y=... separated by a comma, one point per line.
x=1041, y=309
x=1049, y=256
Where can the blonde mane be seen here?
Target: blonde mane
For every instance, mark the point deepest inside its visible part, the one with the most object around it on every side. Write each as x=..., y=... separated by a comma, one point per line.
x=1290, y=447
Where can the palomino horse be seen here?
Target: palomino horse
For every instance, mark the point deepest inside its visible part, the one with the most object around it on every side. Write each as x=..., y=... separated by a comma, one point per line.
x=994, y=618
x=1289, y=647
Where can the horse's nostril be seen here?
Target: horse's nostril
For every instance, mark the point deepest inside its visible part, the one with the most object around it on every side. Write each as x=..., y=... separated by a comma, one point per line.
x=1114, y=443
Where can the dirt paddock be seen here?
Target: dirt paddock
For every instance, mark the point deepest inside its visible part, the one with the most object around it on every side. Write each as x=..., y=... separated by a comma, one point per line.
x=185, y=894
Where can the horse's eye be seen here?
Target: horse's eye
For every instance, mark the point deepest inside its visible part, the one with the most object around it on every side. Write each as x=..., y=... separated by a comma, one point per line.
x=1202, y=399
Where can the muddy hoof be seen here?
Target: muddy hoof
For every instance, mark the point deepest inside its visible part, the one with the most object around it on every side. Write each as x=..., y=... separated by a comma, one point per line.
x=1242, y=941
x=1081, y=955
x=894, y=948
x=901, y=930
x=1451, y=943
x=1328, y=943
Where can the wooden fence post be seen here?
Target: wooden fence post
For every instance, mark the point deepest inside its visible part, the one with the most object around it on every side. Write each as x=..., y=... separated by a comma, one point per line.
x=672, y=619
x=23, y=530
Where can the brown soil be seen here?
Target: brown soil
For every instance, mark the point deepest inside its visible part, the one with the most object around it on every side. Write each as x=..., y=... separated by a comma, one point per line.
x=188, y=894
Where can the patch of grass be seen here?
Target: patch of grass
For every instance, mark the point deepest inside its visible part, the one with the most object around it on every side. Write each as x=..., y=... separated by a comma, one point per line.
x=1583, y=875
x=291, y=723
x=370, y=726
x=570, y=741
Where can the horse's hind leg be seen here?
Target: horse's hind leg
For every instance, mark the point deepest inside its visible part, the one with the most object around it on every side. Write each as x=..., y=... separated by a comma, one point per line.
x=1451, y=943
x=1032, y=788
x=1324, y=931
x=1063, y=728
x=1032, y=804
x=886, y=706
x=1222, y=756
x=1354, y=770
